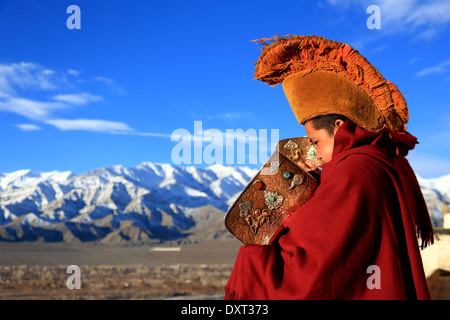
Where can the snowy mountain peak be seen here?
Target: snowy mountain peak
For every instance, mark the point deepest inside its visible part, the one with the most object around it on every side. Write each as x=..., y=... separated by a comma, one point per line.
x=23, y=178
x=158, y=201
x=441, y=184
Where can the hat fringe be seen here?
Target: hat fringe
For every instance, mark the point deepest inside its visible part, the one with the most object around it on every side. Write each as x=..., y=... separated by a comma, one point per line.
x=284, y=55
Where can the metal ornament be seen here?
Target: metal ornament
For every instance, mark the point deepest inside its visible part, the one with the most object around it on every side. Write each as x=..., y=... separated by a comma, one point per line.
x=244, y=208
x=287, y=175
x=274, y=165
x=294, y=148
x=312, y=153
x=297, y=180
x=257, y=219
x=273, y=200
x=258, y=184
x=257, y=215
x=291, y=145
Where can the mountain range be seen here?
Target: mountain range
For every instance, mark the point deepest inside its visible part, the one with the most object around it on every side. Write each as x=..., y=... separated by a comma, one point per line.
x=152, y=202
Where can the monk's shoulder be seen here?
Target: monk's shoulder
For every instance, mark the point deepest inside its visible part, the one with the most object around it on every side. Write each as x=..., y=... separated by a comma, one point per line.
x=363, y=167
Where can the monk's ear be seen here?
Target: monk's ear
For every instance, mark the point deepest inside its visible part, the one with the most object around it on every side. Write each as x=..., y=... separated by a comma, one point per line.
x=339, y=122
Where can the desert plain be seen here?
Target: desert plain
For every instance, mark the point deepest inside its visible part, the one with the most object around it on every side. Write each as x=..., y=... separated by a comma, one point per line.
x=33, y=270
x=149, y=271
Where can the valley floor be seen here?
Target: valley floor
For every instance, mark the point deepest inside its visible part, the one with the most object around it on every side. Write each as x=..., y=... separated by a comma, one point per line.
x=222, y=251
x=33, y=270
x=113, y=271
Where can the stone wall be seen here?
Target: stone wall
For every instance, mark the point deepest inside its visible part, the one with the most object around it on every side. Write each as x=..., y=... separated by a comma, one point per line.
x=437, y=256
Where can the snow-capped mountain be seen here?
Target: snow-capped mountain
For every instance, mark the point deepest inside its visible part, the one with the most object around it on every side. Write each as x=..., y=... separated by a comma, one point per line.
x=435, y=191
x=150, y=202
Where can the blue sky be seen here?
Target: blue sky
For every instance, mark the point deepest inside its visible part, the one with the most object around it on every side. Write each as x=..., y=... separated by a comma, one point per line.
x=114, y=91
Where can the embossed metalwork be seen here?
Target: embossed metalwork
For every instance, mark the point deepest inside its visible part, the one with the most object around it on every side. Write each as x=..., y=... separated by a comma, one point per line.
x=258, y=184
x=254, y=218
x=312, y=153
x=274, y=165
x=257, y=219
x=287, y=175
x=297, y=180
x=244, y=208
x=299, y=150
x=273, y=199
x=291, y=145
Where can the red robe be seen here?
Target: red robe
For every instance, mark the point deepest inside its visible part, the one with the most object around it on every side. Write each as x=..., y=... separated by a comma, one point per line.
x=363, y=216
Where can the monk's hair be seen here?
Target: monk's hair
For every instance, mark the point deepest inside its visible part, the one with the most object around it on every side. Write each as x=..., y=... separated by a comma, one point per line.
x=327, y=122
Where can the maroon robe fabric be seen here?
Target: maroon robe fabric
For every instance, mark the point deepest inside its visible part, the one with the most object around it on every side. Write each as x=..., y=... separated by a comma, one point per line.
x=365, y=213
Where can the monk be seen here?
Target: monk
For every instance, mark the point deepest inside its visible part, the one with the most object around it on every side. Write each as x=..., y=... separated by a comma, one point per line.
x=356, y=238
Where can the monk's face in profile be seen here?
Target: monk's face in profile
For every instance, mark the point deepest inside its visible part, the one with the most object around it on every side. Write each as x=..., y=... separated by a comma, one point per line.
x=322, y=139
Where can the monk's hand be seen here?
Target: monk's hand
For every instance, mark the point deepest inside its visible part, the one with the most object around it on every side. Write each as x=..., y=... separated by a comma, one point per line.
x=305, y=166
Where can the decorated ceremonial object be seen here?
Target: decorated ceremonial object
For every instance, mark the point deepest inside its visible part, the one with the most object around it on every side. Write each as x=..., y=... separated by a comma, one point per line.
x=275, y=192
x=321, y=76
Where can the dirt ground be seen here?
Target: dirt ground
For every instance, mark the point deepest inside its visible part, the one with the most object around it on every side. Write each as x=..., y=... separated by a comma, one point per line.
x=60, y=253
x=39, y=270
x=33, y=270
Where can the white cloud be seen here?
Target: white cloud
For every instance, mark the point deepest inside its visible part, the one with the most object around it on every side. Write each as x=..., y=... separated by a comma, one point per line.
x=20, y=81
x=115, y=88
x=432, y=12
x=426, y=35
x=412, y=60
x=230, y=116
x=104, y=79
x=378, y=49
x=26, y=75
x=395, y=11
x=28, y=127
x=157, y=134
x=78, y=98
x=30, y=109
x=441, y=68
x=73, y=72
x=48, y=72
x=423, y=18
x=93, y=125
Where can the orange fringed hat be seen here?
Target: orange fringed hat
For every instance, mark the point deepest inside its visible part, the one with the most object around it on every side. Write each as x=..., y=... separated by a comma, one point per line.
x=321, y=76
